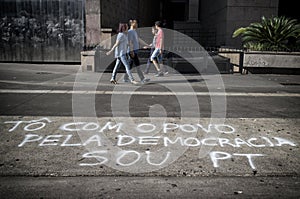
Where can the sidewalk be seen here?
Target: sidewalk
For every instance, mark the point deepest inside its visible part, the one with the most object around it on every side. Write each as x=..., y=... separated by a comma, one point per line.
x=64, y=76
x=68, y=134
x=151, y=187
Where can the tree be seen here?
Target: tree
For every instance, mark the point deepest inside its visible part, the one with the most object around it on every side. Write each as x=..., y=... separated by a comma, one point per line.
x=277, y=33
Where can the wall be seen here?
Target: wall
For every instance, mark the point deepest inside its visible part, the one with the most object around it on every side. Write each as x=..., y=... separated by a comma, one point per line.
x=240, y=13
x=46, y=30
x=93, y=22
x=53, y=30
x=115, y=11
x=272, y=60
x=224, y=16
x=213, y=20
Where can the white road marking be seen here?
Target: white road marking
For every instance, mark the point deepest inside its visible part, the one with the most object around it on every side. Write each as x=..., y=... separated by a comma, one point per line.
x=99, y=92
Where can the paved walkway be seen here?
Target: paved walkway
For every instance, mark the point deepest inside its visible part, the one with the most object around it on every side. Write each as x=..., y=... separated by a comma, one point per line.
x=189, y=135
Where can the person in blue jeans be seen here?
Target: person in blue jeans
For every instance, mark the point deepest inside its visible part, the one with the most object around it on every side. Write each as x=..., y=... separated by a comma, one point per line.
x=120, y=48
x=152, y=46
x=134, y=41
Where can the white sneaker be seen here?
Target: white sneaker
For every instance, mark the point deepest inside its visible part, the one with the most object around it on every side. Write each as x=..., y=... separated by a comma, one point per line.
x=134, y=82
x=113, y=81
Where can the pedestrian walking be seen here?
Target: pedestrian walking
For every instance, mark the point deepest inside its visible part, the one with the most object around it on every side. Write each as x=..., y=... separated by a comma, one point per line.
x=159, y=47
x=152, y=47
x=121, y=47
x=134, y=46
x=159, y=59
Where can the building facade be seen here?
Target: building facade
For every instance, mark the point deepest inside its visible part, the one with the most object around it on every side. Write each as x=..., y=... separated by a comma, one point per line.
x=41, y=31
x=57, y=30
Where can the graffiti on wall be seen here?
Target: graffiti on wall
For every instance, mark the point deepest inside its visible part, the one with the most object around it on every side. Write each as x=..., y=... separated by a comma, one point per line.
x=48, y=29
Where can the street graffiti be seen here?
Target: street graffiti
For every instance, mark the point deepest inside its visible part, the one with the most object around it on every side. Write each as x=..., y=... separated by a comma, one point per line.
x=150, y=134
x=40, y=124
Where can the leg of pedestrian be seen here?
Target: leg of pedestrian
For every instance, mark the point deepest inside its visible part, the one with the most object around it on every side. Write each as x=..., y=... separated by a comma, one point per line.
x=136, y=62
x=126, y=78
x=149, y=62
x=114, y=73
x=154, y=57
x=127, y=67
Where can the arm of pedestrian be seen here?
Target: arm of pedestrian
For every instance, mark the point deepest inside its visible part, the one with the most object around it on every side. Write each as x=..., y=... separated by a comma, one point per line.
x=131, y=54
x=131, y=49
x=130, y=46
x=143, y=42
x=114, y=46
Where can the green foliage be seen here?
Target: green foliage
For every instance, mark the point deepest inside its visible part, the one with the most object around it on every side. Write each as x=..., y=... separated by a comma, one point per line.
x=277, y=33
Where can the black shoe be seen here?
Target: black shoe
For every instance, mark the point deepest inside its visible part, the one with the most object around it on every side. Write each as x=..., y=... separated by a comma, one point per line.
x=159, y=74
x=145, y=80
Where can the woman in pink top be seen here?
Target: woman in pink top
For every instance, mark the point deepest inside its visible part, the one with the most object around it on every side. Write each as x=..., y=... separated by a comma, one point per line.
x=159, y=47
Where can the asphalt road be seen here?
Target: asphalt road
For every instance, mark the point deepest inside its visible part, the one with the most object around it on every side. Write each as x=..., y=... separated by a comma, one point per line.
x=31, y=91
x=141, y=187
x=42, y=104
x=252, y=152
